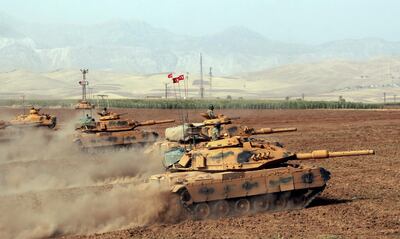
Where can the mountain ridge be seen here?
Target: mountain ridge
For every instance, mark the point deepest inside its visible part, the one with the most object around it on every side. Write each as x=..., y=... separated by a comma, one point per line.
x=138, y=47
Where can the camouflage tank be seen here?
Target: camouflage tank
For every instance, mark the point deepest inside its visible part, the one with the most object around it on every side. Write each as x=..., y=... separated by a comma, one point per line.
x=34, y=119
x=112, y=131
x=198, y=134
x=237, y=176
x=84, y=105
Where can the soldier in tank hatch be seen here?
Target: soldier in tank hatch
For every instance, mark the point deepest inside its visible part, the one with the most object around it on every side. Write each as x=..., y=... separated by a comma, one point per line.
x=104, y=112
x=210, y=112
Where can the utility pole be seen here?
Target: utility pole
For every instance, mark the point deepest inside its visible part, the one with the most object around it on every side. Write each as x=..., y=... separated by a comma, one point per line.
x=90, y=93
x=84, y=83
x=187, y=84
x=104, y=98
x=210, y=75
x=384, y=97
x=201, y=77
x=302, y=96
x=166, y=90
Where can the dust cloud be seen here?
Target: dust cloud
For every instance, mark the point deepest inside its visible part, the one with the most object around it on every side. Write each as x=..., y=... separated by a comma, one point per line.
x=48, y=187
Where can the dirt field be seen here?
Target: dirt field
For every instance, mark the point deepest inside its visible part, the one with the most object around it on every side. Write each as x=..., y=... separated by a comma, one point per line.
x=362, y=199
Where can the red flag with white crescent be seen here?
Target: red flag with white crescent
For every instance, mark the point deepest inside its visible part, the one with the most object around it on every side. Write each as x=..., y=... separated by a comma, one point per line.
x=177, y=79
x=170, y=75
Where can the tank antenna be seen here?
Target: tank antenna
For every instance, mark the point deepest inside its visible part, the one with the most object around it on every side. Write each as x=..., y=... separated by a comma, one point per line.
x=201, y=77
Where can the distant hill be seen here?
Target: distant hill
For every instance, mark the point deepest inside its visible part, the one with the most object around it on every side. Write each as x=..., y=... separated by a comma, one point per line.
x=354, y=80
x=137, y=47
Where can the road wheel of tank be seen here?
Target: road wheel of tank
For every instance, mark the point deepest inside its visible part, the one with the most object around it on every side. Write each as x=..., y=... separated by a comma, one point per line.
x=299, y=198
x=53, y=124
x=282, y=200
x=242, y=206
x=260, y=203
x=220, y=208
x=201, y=211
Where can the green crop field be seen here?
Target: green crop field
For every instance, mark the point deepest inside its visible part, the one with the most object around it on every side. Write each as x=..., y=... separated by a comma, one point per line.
x=200, y=104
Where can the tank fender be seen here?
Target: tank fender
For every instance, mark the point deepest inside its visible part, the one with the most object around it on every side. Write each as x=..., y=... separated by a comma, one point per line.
x=178, y=188
x=184, y=195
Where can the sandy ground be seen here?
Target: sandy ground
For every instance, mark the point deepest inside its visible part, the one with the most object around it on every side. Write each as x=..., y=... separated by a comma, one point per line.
x=362, y=199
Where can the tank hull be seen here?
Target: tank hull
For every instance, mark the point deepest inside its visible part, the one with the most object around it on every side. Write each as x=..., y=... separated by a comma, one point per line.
x=116, y=139
x=207, y=195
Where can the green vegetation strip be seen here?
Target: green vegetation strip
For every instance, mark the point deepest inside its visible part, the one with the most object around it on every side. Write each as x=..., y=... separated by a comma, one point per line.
x=201, y=104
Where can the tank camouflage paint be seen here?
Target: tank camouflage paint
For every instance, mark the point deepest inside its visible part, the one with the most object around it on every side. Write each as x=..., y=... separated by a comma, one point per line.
x=199, y=134
x=34, y=119
x=112, y=131
x=238, y=176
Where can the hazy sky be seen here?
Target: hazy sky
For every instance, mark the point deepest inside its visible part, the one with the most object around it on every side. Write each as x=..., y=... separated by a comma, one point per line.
x=302, y=21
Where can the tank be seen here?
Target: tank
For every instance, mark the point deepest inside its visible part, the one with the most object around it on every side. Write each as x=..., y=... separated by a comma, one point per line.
x=238, y=176
x=112, y=131
x=34, y=119
x=198, y=134
x=229, y=129
x=84, y=105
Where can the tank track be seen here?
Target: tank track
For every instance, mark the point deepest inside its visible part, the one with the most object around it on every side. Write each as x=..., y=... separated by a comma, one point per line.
x=273, y=202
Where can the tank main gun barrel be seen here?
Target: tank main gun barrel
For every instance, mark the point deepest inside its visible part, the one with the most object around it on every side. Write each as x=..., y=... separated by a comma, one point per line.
x=319, y=154
x=153, y=122
x=272, y=130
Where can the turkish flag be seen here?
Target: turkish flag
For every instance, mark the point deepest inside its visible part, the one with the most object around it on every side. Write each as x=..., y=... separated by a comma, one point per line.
x=170, y=75
x=177, y=79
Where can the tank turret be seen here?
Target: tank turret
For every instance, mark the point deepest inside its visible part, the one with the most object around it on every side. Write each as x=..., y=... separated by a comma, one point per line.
x=238, y=153
x=228, y=129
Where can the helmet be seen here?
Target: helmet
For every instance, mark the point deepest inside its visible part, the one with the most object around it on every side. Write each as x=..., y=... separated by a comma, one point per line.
x=211, y=107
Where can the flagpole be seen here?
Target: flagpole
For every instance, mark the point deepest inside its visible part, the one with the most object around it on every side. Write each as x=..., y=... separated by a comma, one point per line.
x=179, y=89
x=176, y=96
x=187, y=85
